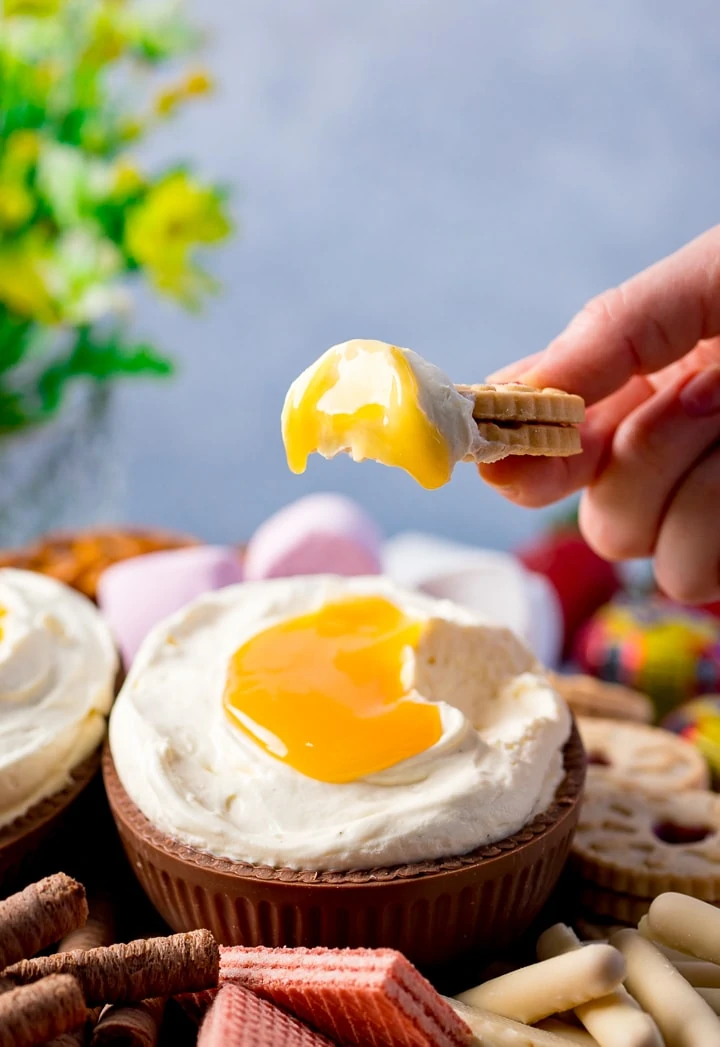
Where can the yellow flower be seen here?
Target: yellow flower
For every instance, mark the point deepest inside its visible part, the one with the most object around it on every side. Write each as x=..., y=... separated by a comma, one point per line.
x=162, y=232
x=198, y=82
x=109, y=38
x=17, y=202
x=127, y=178
x=46, y=75
x=39, y=8
x=22, y=148
x=16, y=205
x=23, y=288
x=195, y=83
x=131, y=130
x=167, y=101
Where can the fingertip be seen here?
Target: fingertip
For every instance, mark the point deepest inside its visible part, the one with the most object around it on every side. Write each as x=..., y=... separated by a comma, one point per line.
x=528, y=482
x=500, y=474
x=513, y=372
x=605, y=534
x=506, y=374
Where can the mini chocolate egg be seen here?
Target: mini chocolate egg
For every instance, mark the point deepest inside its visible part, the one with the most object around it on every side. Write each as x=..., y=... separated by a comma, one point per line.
x=698, y=722
x=669, y=652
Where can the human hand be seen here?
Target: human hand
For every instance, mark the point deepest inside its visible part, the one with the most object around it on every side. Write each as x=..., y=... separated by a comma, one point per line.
x=646, y=358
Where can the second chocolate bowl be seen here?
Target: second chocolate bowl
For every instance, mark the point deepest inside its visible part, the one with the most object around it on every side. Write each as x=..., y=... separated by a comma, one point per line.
x=58, y=665
x=23, y=842
x=433, y=912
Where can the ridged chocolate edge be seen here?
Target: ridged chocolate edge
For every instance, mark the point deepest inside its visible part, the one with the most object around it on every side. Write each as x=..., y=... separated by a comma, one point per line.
x=44, y=811
x=567, y=796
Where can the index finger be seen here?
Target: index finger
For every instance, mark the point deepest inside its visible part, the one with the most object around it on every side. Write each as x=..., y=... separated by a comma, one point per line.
x=637, y=328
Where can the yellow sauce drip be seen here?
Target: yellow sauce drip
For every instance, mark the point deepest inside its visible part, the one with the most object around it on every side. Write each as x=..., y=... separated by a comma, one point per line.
x=362, y=397
x=3, y=612
x=323, y=692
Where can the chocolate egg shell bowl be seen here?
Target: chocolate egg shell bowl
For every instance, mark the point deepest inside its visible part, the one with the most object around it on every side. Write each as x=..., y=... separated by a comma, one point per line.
x=433, y=912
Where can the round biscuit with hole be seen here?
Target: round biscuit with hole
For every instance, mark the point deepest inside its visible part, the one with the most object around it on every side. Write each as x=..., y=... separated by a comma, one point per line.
x=643, y=845
x=625, y=909
x=588, y=696
x=636, y=756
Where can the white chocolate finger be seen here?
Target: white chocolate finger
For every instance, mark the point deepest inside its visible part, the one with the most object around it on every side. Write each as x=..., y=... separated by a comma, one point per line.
x=614, y=1020
x=699, y=973
x=711, y=997
x=567, y=1032
x=492, y=1030
x=683, y=1017
x=686, y=924
x=672, y=954
x=558, y=984
x=556, y=940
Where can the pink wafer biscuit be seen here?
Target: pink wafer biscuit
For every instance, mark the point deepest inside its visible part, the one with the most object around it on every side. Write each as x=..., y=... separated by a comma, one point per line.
x=238, y=1018
x=369, y=997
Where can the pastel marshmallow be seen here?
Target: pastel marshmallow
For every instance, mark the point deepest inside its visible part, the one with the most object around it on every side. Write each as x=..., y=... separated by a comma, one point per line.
x=318, y=534
x=136, y=594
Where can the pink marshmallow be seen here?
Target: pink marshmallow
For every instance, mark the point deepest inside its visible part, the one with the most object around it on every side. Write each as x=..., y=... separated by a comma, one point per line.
x=318, y=534
x=136, y=594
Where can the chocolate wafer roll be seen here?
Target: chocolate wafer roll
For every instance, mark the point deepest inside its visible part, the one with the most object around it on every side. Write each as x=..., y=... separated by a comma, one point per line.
x=79, y=1037
x=34, y=1014
x=36, y=917
x=131, y=1025
x=97, y=931
x=133, y=972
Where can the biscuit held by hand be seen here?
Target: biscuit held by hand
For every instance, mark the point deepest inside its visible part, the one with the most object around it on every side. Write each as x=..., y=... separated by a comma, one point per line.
x=379, y=401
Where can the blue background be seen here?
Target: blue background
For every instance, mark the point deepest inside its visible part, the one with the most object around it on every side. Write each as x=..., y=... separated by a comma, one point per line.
x=456, y=177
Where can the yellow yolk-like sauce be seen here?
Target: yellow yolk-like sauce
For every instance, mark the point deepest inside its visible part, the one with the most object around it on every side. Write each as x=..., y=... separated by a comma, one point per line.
x=323, y=692
x=3, y=612
x=363, y=397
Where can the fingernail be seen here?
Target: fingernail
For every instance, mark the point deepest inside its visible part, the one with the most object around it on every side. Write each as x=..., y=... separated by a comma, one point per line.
x=701, y=396
x=505, y=374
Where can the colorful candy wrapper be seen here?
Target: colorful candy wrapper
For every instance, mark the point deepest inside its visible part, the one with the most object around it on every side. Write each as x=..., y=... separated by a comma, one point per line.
x=669, y=652
x=698, y=722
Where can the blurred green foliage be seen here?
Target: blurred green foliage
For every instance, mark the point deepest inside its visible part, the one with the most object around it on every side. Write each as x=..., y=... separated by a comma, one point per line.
x=80, y=221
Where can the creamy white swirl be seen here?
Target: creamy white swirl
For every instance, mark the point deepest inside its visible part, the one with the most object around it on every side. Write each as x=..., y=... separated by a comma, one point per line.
x=57, y=672
x=212, y=787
